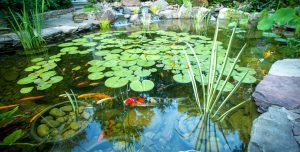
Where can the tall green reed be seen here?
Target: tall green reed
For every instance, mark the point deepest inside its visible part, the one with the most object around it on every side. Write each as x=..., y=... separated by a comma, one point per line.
x=212, y=103
x=28, y=26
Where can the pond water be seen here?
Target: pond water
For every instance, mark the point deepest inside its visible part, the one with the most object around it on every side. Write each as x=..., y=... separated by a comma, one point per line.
x=173, y=123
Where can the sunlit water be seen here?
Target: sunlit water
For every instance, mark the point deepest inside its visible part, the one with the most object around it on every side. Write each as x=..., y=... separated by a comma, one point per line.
x=172, y=125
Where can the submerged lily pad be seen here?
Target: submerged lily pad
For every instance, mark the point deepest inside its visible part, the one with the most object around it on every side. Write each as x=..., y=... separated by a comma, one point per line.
x=26, y=90
x=247, y=79
x=32, y=68
x=138, y=86
x=37, y=59
x=44, y=86
x=56, y=79
x=115, y=82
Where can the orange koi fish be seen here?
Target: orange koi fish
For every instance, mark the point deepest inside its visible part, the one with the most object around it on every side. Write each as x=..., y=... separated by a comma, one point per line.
x=35, y=116
x=267, y=54
x=9, y=106
x=81, y=84
x=95, y=96
x=101, y=137
x=31, y=98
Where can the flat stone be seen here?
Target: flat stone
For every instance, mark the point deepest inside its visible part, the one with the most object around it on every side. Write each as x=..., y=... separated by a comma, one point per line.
x=168, y=14
x=67, y=29
x=278, y=90
x=286, y=67
x=296, y=128
x=131, y=2
x=50, y=32
x=271, y=132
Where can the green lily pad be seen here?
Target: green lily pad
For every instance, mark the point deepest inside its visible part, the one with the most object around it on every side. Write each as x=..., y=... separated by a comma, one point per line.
x=145, y=63
x=56, y=79
x=129, y=57
x=142, y=73
x=111, y=63
x=102, y=53
x=95, y=63
x=66, y=44
x=182, y=78
x=69, y=49
x=26, y=80
x=32, y=68
x=248, y=79
x=150, y=57
x=109, y=74
x=116, y=51
x=76, y=68
x=127, y=63
x=138, y=86
x=90, y=44
x=228, y=87
x=37, y=59
x=43, y=86
x=26, y=90
x=96, y=76
x=96, y=69
x=115, y=82
x=111, y=56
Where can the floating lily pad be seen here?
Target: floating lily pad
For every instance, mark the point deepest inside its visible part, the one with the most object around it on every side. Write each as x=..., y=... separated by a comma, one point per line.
x=32, y=68
x=129, y=57
x=145, y=85
x=26, y=80
x=247, y=79
x=102, y=53
x=115, y=82
x=37, y=59
x=111, y=56
x=76, y=68
x=96, y=69
x=26, y=90
x=142, y=73
x=228, y=87
x=44, y=86
x=69, y=49
x=66, y=44
x=145, y=63
x=90, y=44
x=127, y=63
x=182, y=78
x=56, y=79
x=96, y=76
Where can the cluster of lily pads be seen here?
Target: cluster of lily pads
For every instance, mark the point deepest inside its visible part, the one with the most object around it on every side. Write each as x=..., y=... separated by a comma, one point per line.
x=42, y=74
x=132, y=59
x=122, y=58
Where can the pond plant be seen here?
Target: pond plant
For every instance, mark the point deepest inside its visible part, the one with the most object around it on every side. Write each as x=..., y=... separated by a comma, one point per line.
x=105, y=24
x=212, y=88
x=28, y=26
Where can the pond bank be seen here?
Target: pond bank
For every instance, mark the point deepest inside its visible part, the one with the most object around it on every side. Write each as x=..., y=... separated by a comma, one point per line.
x=278, y=129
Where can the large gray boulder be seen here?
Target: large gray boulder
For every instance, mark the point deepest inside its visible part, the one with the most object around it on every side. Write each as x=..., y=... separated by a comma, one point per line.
x=278, y=90
x=107, y=14
x=281, y=86
x=161, y=4
x=168, y=14
x=272, y=132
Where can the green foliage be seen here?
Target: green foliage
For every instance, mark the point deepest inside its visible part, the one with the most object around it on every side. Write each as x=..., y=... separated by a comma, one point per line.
x=28, y=26
x=104, y=24
x=13, y=137
x=282, y=16
x=154, y=9
x=7, y=115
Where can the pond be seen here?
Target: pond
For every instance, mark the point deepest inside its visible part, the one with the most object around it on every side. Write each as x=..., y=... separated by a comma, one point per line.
x=98, y=65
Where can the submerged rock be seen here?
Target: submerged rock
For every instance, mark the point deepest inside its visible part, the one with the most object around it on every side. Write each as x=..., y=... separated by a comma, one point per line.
x=57, y=112
x=66, y=108
x=75, y=125
x=43, y=130
x=271, y=132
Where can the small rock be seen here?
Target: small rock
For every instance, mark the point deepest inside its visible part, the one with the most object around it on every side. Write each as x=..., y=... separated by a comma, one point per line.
x=131, y=2
x=43, y=130
x=75, y=125
x=127, y=15
x=61, y=119
x=45, y=119
x=68, y=133
x=86, y=115
x=52, y=123
x=66, y=108
x=57, y=112
x=134, y=18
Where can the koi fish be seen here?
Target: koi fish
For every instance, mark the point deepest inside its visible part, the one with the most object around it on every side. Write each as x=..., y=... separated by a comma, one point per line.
x=95, y=96
x=104, y=100
x=82, y=84
x=134, y=100
x=9, y=106
x=35, y=116
x=164, y=87
x=31, y=98
x=101, y=137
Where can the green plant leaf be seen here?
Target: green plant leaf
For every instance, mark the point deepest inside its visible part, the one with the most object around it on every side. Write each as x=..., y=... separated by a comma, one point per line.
x=26, y=80
x=138, y=86
x=265, y=24
x=13, y=137
x=8, y=114
x=182, y=78
x=283, y=15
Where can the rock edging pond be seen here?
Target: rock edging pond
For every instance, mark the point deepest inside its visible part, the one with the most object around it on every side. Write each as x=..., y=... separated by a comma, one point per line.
x=278, y=129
